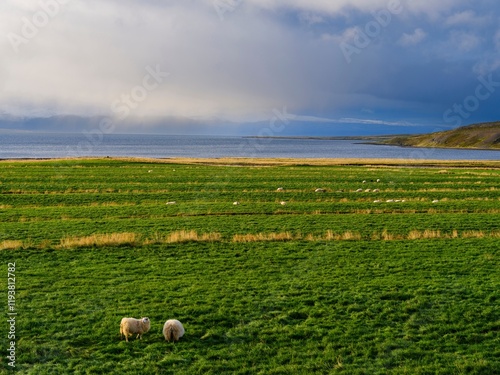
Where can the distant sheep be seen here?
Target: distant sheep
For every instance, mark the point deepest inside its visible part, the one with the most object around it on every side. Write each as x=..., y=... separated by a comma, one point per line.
x=280, y=189
x=236, y=203
x=435, y=201
x=130, y=326
x=320, y=190
x=376, y=190
x=172, y=202
x=359, y=190
x=173, y=330
x=283, y=203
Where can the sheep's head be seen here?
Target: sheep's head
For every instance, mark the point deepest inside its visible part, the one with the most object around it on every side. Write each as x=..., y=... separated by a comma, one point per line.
x=145, y=322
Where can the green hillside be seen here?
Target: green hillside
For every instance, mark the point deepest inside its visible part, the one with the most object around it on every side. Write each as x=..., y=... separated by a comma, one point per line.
x=481, y=136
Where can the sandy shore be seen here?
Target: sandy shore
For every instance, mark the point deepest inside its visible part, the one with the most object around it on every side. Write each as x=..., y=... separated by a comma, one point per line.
x=286, y=161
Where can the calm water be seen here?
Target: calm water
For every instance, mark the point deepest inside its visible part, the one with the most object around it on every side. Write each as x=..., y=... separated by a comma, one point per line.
x=48, y=145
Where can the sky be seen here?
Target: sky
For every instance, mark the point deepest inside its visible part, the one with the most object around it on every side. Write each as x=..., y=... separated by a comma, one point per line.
x=269, y=67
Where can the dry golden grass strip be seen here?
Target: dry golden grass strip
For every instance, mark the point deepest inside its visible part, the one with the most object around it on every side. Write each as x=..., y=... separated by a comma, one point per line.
x=288, y=161
x=184, y=236
x=191, y=236
x=112, y=239
x=11, y=245
x=346, y=236
x=473, y=234
x=259, y=237
x=350, y=236
x=426, y=234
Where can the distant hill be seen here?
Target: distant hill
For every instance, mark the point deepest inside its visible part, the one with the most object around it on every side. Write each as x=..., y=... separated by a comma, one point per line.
x=478, y=136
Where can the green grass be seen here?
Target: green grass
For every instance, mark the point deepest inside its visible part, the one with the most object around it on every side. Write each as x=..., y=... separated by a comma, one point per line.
x=301, y=306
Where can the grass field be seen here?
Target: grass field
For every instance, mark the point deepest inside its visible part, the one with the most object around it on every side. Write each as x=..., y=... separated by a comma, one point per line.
x=401, y=280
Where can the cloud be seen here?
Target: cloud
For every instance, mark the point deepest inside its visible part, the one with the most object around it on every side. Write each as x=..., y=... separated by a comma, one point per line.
x=412, y=39
x=92, y=57
x=93, y=54
x=328, y=7
x=311, y=18
x=467, y=17
x=464, y=41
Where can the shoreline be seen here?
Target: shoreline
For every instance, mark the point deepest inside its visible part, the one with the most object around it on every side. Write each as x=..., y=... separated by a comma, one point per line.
x=375, y=140
x=241, y=161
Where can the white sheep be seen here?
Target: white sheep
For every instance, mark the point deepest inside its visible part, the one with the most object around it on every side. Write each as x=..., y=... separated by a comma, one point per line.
x=320, y=190
x=236, y=203
x=130, y=326
x=169, y=203
x=376, y=190
x=359, y=190
x=173, y=330
x=283, y=203
x=280, y=189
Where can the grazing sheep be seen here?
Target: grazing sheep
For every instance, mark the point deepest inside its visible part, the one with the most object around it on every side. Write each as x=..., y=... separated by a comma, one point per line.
x=390, y=200
x=173, y=202
x=280, y=189
x=173, y=330
x=364, y=182
x=359, y=190
x=367, y=190
x=378, y=179
x=435, y=201
x=320, y=190
x=236, y=203
x=129, y=326
x=283, y=203
x=377, y=201
x=376, y=190
x=150, y=171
